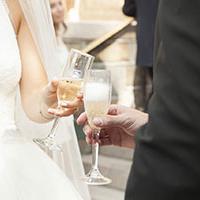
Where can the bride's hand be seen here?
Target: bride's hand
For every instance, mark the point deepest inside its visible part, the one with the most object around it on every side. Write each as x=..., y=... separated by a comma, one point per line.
x=50, y=99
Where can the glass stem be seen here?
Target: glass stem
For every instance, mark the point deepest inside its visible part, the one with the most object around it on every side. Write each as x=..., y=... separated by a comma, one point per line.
x=95, y=149
x=52, y=133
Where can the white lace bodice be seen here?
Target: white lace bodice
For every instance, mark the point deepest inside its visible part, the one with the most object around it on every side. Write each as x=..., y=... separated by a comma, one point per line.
x=10, y=70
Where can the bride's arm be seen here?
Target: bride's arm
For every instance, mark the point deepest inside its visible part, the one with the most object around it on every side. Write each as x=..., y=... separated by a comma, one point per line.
x=34, y=77
x=36, y=94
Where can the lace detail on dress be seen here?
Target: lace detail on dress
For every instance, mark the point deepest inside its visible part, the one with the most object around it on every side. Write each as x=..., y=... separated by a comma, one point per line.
x=10, y=70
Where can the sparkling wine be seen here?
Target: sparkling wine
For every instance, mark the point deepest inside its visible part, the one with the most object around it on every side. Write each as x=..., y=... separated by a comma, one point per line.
x=97, y=100
x=68, y=89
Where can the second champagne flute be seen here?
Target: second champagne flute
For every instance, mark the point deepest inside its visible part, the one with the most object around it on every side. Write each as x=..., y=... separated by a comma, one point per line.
x=69, y=85
x=97, y=99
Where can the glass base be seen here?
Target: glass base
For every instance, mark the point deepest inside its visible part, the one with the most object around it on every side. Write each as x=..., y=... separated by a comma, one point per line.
x=94, y=177
x=47, y=143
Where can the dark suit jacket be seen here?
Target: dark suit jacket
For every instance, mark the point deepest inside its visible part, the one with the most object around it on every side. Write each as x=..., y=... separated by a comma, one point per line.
x=145, y=12
x=146, y=18
x=167, y=156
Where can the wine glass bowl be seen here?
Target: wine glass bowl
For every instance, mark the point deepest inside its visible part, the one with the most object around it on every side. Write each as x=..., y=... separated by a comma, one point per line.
x=68, y=89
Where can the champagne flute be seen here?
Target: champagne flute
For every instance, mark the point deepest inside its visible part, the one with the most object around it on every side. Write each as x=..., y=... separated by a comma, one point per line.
x=69, y=85
x=97, y=98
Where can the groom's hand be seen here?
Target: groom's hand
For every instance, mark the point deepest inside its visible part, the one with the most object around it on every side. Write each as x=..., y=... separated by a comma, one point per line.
x=50, y=99
x=118, y=127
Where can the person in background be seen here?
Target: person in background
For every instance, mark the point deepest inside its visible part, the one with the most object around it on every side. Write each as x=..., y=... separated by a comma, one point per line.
x=145, y=13
x=58, y=15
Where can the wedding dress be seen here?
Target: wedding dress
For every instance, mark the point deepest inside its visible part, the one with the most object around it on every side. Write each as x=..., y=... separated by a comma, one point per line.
x=26, y=172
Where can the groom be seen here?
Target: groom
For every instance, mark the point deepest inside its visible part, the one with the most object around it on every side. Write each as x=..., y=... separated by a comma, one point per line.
x=167, y=152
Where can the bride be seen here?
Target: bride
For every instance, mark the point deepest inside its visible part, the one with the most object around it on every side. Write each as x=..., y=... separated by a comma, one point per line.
x=26, y=173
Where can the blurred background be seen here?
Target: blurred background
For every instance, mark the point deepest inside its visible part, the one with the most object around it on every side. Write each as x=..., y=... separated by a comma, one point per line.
x=100, y=28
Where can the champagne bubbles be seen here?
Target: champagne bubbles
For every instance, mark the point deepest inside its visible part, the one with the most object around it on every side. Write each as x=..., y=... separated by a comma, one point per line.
x=96, y=91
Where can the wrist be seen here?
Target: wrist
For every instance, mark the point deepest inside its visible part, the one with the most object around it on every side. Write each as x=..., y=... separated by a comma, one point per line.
x=141, y=119
x=145, y=118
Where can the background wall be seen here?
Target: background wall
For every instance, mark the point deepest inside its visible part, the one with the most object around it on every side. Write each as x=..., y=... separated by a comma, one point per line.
x=97, y=9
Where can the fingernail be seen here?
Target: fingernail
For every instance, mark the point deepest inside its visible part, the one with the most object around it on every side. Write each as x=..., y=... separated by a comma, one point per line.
x=50, y=110
x=64, y=104
x=98, y=121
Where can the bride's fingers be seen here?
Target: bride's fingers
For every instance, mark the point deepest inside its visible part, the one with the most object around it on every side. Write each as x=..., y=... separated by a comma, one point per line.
x=52, y=111
x=74, y=104
x=52, y=86
x=80, y=96
x=62, y=113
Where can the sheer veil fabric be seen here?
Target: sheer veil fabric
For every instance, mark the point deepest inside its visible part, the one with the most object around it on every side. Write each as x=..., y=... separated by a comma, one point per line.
x=38, y=16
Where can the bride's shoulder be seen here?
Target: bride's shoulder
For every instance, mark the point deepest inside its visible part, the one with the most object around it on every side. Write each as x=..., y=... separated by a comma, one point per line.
x=15, y=13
